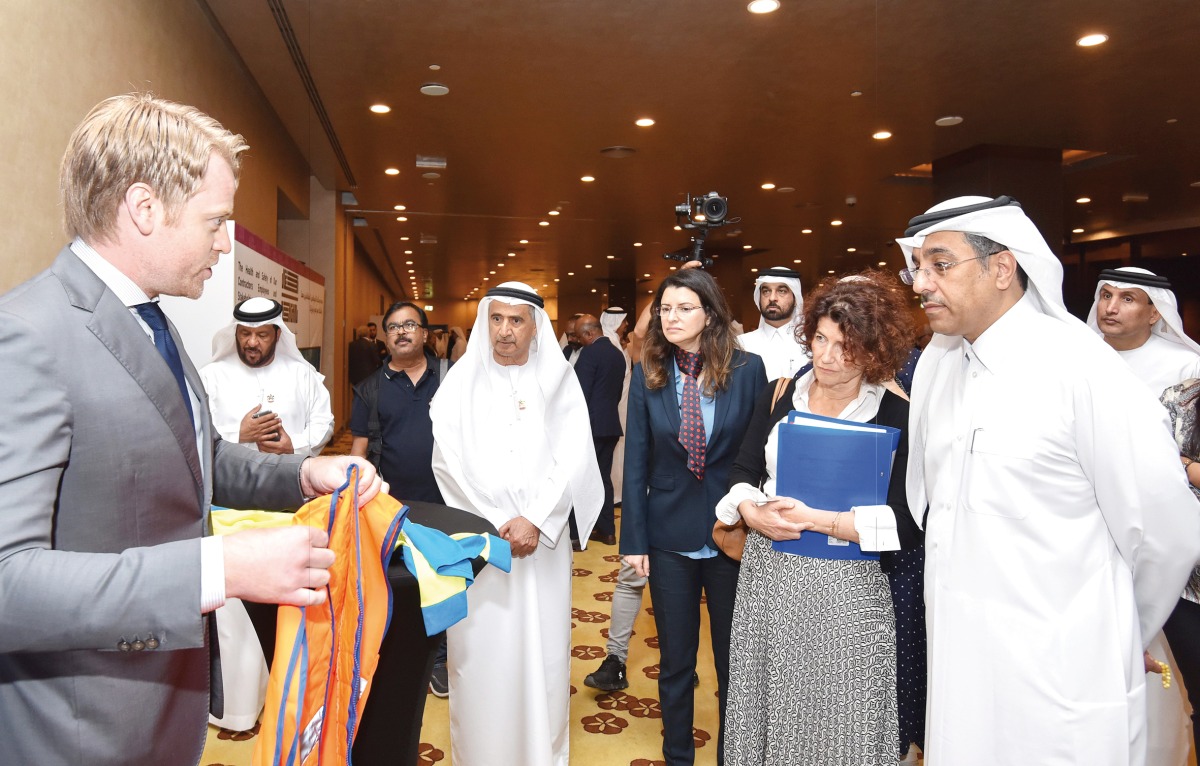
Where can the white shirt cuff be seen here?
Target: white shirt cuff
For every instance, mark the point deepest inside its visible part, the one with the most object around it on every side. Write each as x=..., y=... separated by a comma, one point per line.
x=876, y=527
x=727, y=507
x=212, y=573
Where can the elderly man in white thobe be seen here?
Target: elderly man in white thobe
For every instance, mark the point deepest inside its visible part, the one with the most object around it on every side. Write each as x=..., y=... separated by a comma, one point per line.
x=1060, y=528
x=262, y=392
x=781, y=310
x=512, y=444
x=1137, y=313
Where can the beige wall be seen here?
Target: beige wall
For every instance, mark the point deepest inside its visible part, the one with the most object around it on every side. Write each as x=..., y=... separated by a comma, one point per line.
x=60, y=58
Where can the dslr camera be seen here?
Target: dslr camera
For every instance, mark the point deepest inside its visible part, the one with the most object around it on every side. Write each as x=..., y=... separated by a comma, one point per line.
x=699, y=214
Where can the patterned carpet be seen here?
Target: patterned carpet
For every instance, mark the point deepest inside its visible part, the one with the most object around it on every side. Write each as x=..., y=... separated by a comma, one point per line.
x=607, y=729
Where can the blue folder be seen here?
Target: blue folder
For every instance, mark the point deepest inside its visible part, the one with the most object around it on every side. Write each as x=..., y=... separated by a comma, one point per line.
x=832, y=465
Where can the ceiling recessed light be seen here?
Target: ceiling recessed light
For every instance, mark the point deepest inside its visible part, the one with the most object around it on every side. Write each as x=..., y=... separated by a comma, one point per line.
x=380, y=108
x=1087, y=41
x=404, y=239
x=882, y=263
x=611, y=257
x=434, y=89
x=644, y=122
x=401, y=218
x=852, y=250
x=881, y=135
x=753, y=271
x=1084, y=200
x=434, y=67
x=491, y=272
x=408, y=252
x=556, y=279
x=412, y=271
x=399, y=207
x=485, y=279
x=1195, y=184
x=785, y=189
x=806, y=231
x=637, y=244
x=593, y=289
x=677, y=228
x=948, y=121
x=672, y=268
x=747, y=247
x=831, y=271
x=835, y=222
x=523, y=241
x=587, y=265
x=796, y=261
x=587, y=179
x=570, y=273
x=512, y=255
x=855, y=93
x=553, y=212
x=500, y=265
x=408, y=263
x=545, y=285
x=1076, y=231
x=392, y=171
x=763, y=6
x=646, y=275
x=768, y=186
x=543, y=223
x=1172, y=121
x=431, y=175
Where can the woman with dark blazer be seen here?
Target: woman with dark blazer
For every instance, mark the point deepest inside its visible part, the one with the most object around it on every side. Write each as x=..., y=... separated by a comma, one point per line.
x=689, y=402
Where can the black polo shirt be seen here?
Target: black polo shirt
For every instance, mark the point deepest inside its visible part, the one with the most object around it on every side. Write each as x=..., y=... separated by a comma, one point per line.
x=406, y=460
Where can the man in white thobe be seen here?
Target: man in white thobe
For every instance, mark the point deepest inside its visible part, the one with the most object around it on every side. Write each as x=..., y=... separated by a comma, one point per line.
x=1137, y=313
x=613, y=323
x=1060, y=528
x=512, y=444
x=257, y=367
x=262, y=392
x=781, y=314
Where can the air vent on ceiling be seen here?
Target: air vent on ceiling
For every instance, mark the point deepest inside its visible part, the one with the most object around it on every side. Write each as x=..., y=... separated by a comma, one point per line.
x=430, y=161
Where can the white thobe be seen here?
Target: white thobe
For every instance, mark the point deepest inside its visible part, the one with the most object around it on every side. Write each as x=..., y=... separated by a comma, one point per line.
x=288, y=387
x=1160, y=364
x=509, y=661
x=782, y=355
x=1060, y=532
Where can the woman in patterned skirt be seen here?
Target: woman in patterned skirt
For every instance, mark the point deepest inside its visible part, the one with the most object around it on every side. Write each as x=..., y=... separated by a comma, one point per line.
x=813, y=650
x=1183, y=626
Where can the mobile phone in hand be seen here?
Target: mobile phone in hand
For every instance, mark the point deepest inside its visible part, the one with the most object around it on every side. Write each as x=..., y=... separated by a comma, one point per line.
x=262, y=414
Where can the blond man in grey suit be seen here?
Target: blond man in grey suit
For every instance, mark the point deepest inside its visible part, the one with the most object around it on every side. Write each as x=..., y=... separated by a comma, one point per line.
x=108, y=462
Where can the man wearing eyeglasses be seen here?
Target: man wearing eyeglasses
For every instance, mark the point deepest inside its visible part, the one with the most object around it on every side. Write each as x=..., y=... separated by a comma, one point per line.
x=390, y=417
x=1060, y=528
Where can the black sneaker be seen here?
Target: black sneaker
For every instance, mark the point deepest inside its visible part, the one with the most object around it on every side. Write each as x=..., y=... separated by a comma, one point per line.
x=439, y=684
x=610, y=677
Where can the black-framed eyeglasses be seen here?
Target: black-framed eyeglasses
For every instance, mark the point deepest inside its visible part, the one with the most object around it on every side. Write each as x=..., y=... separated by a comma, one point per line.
x=394, y=328
x=936, y=269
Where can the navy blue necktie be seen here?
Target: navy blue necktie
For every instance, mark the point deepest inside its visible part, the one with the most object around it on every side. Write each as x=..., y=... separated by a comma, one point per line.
x=153, y=316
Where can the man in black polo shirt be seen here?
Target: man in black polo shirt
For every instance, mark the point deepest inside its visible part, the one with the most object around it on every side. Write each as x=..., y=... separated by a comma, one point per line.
x=391, y=426
x=390, y=419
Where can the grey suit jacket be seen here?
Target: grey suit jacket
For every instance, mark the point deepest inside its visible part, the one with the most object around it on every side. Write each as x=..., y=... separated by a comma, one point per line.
x=103, y=500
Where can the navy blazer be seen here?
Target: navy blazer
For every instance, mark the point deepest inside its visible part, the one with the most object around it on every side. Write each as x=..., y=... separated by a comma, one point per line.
x=601, y=373
x=664, y=505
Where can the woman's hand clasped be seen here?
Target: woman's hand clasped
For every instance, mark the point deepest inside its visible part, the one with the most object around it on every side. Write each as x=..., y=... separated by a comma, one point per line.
x=779, y=518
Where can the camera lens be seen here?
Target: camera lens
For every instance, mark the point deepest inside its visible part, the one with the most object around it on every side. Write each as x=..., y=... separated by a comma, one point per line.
x=714, y=209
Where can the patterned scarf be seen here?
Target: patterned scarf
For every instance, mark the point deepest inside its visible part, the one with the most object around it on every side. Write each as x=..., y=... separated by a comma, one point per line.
x=691, y=420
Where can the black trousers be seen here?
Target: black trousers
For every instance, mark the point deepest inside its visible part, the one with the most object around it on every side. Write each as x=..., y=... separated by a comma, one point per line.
x=606, y=523
x=1183, y=633
x=676, y=583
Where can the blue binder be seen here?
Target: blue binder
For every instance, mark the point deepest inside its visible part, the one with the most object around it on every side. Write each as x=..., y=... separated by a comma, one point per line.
x=832, y=465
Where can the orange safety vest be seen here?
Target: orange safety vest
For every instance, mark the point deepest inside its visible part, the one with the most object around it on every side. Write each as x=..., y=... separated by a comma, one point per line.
x=325, y=655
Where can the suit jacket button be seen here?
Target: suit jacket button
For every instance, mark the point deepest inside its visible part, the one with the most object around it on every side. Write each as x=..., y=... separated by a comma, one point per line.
x=138, y=644
x=124, y=645
x=151, y=643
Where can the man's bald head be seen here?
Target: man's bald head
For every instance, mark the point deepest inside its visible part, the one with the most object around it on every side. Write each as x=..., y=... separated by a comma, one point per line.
x=587, y=329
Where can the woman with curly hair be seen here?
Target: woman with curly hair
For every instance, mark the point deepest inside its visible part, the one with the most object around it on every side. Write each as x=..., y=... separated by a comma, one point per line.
x=689, y=402
x=813, y=651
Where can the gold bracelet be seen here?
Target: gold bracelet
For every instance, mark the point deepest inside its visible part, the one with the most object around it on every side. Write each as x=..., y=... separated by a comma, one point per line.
x=833, y=528
x=1187, y=461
